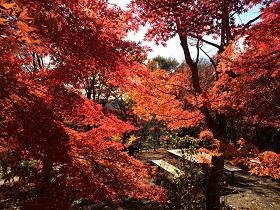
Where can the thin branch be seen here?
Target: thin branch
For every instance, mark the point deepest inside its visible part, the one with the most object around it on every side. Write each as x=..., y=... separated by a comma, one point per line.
x=211, y=59
x=210, y=43
x=249, y=23
x=197, y=48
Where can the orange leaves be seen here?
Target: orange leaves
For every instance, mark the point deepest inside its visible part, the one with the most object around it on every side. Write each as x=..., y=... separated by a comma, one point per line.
x=7, y=5
x=243, y=153
x=21, y=25
x=204, y=158
x=24, y=16
x=164, y=96
x=206, y=135
x=24, y=28
x=266, y=164
x=2, y=21
x=249, y=77
x=263, y=164
x=14, y=8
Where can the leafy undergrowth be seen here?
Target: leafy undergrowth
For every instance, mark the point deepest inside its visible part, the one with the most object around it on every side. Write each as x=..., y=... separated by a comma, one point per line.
x=265, y=164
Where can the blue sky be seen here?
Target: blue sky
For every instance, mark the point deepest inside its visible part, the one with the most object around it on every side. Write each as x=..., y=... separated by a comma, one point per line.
x=173, y=48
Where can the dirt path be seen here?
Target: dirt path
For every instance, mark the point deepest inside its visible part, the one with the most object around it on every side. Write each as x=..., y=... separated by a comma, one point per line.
x=251, y=192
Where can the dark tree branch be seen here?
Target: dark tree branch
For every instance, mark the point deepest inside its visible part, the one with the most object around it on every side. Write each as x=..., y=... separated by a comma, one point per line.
x=197, y=49
x=210, y=43
x=249, y=23
x=211, y=59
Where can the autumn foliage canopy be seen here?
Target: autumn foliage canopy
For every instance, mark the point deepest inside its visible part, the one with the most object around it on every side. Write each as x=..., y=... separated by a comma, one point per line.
x=48, y=51
x=242, y=89
x=51, y=51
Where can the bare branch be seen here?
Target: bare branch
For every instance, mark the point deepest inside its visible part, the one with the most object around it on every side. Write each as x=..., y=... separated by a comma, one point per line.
x=211, y=59
x=249, y=23
x=211, y=43
x=197, y=48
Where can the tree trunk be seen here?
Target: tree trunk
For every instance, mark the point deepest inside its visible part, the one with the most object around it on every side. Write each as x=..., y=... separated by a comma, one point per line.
x=218, y=124
x=47, y=175
x=214, y=183
x=192, y=65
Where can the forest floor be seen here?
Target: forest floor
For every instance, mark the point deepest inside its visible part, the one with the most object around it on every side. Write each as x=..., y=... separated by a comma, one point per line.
x=245, y=191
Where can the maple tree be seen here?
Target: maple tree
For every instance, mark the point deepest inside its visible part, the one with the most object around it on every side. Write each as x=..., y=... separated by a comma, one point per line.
x=244, y=87
x=49, y=50
x=163, y=96
x=263, y=164
x=253, y=93
x=193, y=21
x=67, y=147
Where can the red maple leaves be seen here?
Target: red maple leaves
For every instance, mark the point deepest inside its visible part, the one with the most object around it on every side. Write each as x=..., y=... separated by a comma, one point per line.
x=49, y=48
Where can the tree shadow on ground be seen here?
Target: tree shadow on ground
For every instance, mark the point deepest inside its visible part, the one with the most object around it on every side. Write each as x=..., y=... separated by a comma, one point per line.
x=247, y=190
